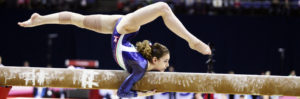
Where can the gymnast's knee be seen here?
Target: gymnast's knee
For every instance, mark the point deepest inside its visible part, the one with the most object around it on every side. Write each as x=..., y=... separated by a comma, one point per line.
x=65, y=17
x=163, y=7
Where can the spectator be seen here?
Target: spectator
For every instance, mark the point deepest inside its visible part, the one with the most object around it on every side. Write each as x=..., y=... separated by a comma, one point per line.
x=293, y=73
x=202, y=7
x=26, y=64
x=24, y=4
x=189, y=5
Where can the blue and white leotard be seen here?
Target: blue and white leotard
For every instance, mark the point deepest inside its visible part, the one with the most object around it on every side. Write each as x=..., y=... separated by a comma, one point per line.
x=126, y=55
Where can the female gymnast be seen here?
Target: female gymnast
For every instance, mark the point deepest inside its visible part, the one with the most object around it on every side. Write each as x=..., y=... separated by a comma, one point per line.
x=136, y=60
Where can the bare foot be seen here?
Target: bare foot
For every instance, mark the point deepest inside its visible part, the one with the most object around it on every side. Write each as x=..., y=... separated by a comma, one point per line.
x=200, y=47
x=33, y=21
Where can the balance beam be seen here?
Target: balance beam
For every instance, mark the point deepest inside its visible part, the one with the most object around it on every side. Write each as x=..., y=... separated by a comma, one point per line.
x=162, y=81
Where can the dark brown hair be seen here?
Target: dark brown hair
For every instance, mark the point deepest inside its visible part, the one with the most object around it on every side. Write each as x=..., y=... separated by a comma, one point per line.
x=149, y=51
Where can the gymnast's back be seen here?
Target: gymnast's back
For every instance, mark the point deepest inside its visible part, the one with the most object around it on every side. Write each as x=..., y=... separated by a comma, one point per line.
x=127, y=57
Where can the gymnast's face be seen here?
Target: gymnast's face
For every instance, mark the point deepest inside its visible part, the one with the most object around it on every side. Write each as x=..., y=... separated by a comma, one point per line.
x=162, y=63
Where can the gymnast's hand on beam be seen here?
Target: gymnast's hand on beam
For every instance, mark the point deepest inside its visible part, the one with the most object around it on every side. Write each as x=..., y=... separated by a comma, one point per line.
x=147, y=93
x=33, y=21
x=199, y=46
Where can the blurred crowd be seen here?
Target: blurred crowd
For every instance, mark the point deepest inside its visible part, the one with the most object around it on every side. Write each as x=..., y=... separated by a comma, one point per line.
x=193, y=7
x=221, y=7
x=48, y=4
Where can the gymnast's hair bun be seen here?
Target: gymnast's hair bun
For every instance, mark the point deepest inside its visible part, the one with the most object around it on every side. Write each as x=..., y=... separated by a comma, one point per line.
x=149, y=51
x=145, y=49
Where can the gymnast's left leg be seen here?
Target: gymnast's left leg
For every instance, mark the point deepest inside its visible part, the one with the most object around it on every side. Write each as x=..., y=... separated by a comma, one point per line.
x=132, y=21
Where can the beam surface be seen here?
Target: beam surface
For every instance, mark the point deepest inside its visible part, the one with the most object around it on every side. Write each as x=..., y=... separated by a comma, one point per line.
x=162, y=81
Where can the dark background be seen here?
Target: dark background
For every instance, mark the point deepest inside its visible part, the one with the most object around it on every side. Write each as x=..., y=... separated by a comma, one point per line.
x=245, y=44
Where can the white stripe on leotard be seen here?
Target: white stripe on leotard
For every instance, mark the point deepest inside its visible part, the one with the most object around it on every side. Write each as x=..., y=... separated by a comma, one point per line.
x=119, y=52
x=129, y=49
x=120, y=48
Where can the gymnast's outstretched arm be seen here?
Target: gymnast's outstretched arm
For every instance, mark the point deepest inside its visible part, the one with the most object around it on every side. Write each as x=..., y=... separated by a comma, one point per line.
x=99, y=23
x=132, y=21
